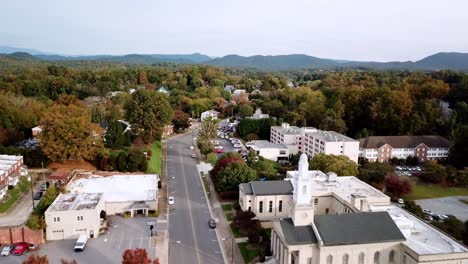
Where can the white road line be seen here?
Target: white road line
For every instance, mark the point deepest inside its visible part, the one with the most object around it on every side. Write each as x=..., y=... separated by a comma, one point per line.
x=141, y=243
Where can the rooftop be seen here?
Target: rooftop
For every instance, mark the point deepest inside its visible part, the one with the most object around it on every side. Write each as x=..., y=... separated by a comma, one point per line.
x=330, y=136
x=75, y=201
x=267, y=144
x=403, y=141
x=118, y=188
x=422, y=238
x=10, y=158
x=297, y=235
x=267, y=187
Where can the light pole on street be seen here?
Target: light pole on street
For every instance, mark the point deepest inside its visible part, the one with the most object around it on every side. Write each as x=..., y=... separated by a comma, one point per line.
x=232, y=247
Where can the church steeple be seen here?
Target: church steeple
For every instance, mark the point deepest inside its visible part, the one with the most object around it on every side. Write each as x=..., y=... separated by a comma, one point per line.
x=302, y=210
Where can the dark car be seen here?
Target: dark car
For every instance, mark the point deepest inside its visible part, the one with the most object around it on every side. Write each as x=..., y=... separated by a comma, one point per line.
x=212, y=223
x=38, y=195
x=44, y=186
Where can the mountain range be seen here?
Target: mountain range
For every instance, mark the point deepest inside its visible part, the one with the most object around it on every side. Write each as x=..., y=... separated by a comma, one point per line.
x=438, y=61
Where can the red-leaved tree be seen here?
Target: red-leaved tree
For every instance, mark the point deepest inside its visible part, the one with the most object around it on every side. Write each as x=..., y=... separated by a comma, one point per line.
x=64, y=261
x=36, y=259
x=223, y=161
x=397, y=186
x=135, y=256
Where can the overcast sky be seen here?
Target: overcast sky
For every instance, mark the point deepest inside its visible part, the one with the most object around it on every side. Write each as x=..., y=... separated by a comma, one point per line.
x=380, y=30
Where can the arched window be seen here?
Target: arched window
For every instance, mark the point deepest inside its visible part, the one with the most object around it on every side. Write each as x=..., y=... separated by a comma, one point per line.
x=361, y=258
x=391, y=256
x=345, y=259
x=377, y=257
x=304, y=190
x=330, y=259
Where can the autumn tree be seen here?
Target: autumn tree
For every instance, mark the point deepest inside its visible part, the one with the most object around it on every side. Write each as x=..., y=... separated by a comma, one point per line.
x=68, y=134
x=135, y=256
x=36, y=259
x=148, y=111
x=397, y=186
x=206, y=135
x=64, y=261
x=181, y=120
x=339, y=164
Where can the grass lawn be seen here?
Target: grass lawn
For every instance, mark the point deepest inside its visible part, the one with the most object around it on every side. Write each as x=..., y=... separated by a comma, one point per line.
x=248, y=254
x=206, y=184
x=229, y=217
x=227, y=207
x=237, y=233
x=426, y=191
x=14, y=194
x=212, y=158
x=154, y=165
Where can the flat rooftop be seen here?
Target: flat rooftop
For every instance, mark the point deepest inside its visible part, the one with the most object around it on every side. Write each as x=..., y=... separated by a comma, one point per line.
x=75, y=202
x=343, y=187
x=290, y=130
x=330, y=136
x=267, y=144
x=10, y=158
x=421, y=237
x=119, y=188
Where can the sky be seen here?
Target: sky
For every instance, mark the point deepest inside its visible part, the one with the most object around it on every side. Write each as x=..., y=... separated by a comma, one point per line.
x=366, y=30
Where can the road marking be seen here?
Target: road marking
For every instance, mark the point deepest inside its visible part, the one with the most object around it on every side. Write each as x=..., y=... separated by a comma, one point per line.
x=178, y=242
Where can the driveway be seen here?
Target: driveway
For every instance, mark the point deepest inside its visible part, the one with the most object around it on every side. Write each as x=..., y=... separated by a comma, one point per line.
x=124, y=233
x=447, y=205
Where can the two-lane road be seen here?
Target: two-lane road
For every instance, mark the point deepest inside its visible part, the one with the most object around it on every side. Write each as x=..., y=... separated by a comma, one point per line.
x=191, y=240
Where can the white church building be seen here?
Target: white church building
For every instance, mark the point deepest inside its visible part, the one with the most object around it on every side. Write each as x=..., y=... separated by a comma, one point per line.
x=320, y=218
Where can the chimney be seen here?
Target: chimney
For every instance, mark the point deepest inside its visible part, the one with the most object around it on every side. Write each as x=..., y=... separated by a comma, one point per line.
x=285, y=125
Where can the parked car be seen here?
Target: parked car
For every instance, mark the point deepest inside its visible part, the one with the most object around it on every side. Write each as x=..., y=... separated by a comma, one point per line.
x=429, y=212
x=428, y=217
x=81, y=242
x=6, y=250
x=237, y=145
x=20, y=248
x=44, y=186
x=219, y=150
x=171, y=200
x=193, y=155
x=212, y=223
x=192, y=147
x=400, y=201
x=38, y=195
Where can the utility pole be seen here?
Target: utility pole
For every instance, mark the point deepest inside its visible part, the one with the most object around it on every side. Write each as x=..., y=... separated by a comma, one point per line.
x=32, y=192
x=43, y=173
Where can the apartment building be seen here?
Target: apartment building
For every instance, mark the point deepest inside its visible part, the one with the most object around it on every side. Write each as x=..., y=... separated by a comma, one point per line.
x=383, y=148
x=312, y=141
x=10, y=166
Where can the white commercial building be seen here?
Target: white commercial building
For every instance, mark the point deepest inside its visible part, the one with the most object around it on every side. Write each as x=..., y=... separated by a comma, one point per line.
x=313, y=141
x=259, y=115
x=268, y=150
x=326, y=219
x=132, y=193
x=74, y=214
x=210, y=113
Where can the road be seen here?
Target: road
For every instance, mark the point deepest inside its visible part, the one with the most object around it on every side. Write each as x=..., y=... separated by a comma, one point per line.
x=190, y=238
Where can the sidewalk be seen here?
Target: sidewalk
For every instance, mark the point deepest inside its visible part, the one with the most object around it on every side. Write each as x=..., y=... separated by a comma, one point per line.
x=222, y=226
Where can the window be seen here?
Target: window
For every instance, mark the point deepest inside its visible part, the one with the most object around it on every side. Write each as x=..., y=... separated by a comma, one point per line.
x=327, y=210
x=270, y=206
x=345, y=259
x=391, y=256
x=260, y=209
x=56, y=219
x=404, y=259
x=361, y=258
x=280, y=206
x=79, y=218
x=329, y=259
x=377, y=257
x=316, y=201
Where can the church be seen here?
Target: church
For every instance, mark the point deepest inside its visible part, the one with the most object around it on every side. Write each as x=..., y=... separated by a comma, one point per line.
x=320, y=218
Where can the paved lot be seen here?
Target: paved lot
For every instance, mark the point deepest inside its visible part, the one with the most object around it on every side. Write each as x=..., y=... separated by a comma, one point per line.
x=125, y=233
x=190, y=238
x=447, y=205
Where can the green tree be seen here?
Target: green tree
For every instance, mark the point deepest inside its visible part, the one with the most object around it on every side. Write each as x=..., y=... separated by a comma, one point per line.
x=433, y=172
x=136, y=161
x=114, y=135
x=374, y=172
x=148, y=111
x=234, y=174
x=339, y=164
x=245, y=110
x=459, y=151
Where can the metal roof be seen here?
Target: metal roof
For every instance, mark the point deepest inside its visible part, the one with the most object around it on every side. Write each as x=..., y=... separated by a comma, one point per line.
x=296, y=235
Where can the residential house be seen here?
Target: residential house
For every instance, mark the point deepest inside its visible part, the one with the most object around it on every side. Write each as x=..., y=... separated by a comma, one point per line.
x=210, y=113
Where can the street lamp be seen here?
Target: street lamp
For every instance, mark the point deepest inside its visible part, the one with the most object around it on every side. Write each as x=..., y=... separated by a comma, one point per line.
x=232, y=247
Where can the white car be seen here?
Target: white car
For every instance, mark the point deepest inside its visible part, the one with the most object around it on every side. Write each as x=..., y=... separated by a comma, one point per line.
x=192, y=147
x=6, y=250
x=400, y=201
x=237, y=145
x=171, y=200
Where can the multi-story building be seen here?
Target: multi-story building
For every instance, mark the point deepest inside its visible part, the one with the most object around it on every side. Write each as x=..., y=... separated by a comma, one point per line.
x=320, y=218
x=313, y=141
x=9, y=172
x=383, y=148
x=268, y=150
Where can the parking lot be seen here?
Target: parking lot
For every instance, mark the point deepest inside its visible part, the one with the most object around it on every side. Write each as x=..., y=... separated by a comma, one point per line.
x=447, y=206
x=124, y=233
x=407, y=170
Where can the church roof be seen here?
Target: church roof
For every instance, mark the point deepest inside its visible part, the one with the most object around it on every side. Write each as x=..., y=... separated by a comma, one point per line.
x=296, y=235
x=357, y=228
x=267, y=187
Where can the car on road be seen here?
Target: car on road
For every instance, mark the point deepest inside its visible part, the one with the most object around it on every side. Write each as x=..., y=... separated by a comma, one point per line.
x=81, y=243
x=38, y=195
x=171, y=200
x=212, y=223
x=192, y=147
x=44, y=186
x=193, y=155
x=237, y=145
x=20, y=248
x=6, y=250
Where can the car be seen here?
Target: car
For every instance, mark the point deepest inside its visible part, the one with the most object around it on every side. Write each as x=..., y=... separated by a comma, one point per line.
x=171, y=200
x=38, y=195
x=219, y=150
x=193, y=155
x=443, y=217
x=212, y=223
x=44, y=186
x=400, y=201
x=429, y=212
x=237, y=145
x=81, y=243
x=20, y=248
x=6, y=250
x=221, y=136
x=428, y=217
x=192, y=147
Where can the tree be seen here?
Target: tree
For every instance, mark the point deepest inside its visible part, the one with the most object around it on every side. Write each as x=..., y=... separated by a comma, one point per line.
x=433, y=172
x=148, y=111
x=181, y=120
x=459, y=150
x=223, y=161
x=339, y=164
x=136, y=161
x=64, y=261
x=245, y=110
x=413, y=208
x=68, y=134
x=266, y=169
x=36, y=259
x=397, y=186
x=374, y=172
x=245, y=220
x=234, y=174
x=135, y=256
x=452, y=226
x=115, y=135
x=206, y=136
